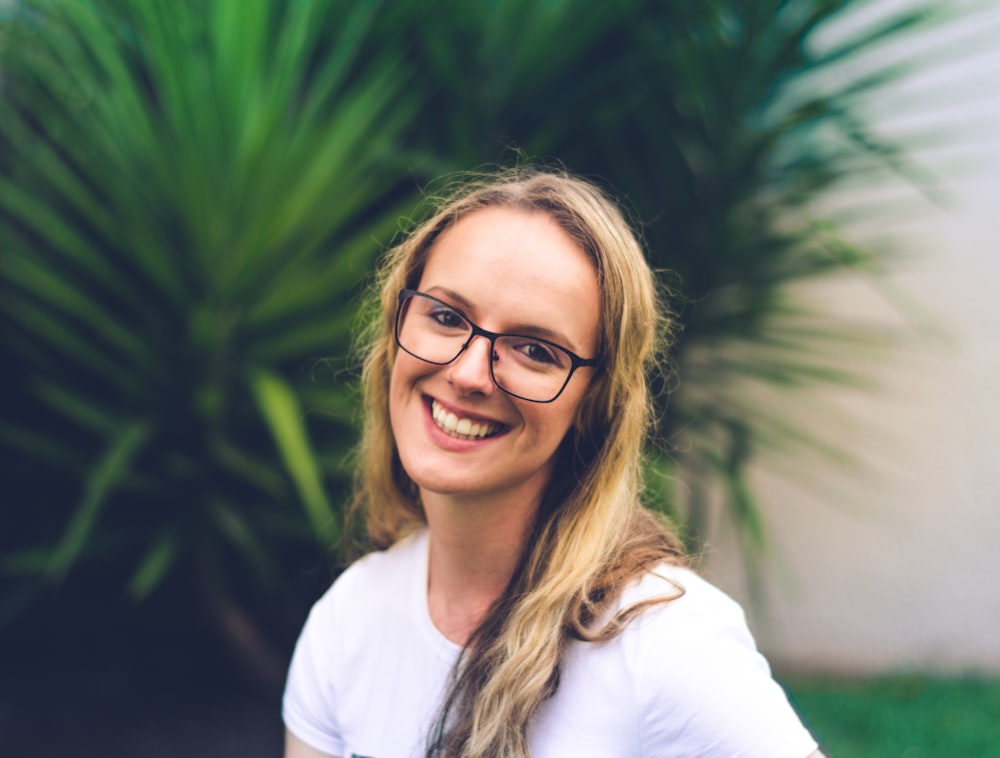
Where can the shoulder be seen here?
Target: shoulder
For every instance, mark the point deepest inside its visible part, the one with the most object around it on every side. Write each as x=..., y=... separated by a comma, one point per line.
x=374, y=588
x=389, y=570
x=695, y=635
x=692, y=632
x=400, y=559
x=701, y=682
x=693, y=607
x=363, y=614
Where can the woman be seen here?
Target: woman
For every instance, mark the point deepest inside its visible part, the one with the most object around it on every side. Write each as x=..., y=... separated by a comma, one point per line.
x=523, y=602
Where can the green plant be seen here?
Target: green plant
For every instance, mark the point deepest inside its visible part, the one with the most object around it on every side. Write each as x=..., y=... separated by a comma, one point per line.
x=191, y=202
x=899, y=715
x=706, y=117
x=193, y=193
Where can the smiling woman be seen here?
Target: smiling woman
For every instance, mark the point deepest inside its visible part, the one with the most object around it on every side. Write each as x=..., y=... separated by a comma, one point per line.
x=516, y=271
x=522, y=600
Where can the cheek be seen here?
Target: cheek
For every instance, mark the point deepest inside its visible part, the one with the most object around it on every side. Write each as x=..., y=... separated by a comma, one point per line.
x=557, y=423
x=403, y=394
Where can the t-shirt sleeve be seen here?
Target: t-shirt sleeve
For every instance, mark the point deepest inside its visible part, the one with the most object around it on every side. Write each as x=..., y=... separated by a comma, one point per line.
x=706, y=690
x=308, y=706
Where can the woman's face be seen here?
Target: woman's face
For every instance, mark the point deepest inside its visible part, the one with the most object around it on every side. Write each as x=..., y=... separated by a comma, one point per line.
x=507, y=271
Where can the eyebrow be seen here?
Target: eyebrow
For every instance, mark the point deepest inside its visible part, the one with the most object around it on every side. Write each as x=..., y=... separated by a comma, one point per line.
x=523, y=329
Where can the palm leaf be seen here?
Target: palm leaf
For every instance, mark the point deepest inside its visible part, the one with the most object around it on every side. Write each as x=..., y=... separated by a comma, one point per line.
x=280, y=408
x=113, y=467
x=193, y=202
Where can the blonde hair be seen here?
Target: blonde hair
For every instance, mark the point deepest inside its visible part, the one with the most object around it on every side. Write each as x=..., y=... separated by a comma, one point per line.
x=592, y=535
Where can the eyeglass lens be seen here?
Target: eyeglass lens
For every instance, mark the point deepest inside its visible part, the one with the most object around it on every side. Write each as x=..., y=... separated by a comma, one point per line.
x=524, y=366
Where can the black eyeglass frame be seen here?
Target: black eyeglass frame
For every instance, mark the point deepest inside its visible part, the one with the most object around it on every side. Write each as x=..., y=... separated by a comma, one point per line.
x=477, y=331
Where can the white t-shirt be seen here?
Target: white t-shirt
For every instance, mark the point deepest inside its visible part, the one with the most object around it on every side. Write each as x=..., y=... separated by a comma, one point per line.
x=683, y=679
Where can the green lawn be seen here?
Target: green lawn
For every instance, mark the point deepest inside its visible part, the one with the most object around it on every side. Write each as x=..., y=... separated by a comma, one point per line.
x=902, y=716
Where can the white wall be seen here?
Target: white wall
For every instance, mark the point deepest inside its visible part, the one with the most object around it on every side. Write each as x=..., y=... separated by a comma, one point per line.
x=896, y=565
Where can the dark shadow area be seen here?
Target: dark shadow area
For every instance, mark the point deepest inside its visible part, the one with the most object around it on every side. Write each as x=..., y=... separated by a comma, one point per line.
x=83, y=679
x=100, y=713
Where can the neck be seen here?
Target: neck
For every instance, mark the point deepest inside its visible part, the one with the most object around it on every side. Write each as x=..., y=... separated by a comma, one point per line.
x=474, y=548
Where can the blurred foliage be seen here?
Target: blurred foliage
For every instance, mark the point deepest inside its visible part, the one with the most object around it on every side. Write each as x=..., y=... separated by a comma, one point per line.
x=189, y=207
x=193, y=195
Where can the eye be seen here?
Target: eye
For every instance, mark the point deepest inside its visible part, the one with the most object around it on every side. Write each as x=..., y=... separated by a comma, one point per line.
x=447, y=318
x=539, y=352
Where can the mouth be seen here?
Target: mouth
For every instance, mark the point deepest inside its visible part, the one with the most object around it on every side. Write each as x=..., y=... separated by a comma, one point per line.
x=460, y=427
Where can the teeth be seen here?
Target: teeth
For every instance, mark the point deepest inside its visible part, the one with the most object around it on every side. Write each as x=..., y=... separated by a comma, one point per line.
x=465, y=428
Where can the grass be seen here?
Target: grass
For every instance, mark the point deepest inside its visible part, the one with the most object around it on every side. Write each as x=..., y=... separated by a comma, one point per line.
x=901, y=716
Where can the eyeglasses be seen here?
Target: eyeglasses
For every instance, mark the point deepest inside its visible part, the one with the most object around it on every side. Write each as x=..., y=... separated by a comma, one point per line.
x=526, y=367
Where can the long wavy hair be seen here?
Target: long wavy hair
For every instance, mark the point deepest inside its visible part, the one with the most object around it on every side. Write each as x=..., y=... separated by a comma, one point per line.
x=591, y=535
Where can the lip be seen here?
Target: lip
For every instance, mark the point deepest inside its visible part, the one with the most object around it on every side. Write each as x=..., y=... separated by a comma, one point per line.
x=445, y=440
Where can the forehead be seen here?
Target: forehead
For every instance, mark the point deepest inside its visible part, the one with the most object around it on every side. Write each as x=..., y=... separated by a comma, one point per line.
x=515, y=268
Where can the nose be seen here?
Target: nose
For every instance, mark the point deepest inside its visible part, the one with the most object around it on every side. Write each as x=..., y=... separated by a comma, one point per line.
x=470, y=371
